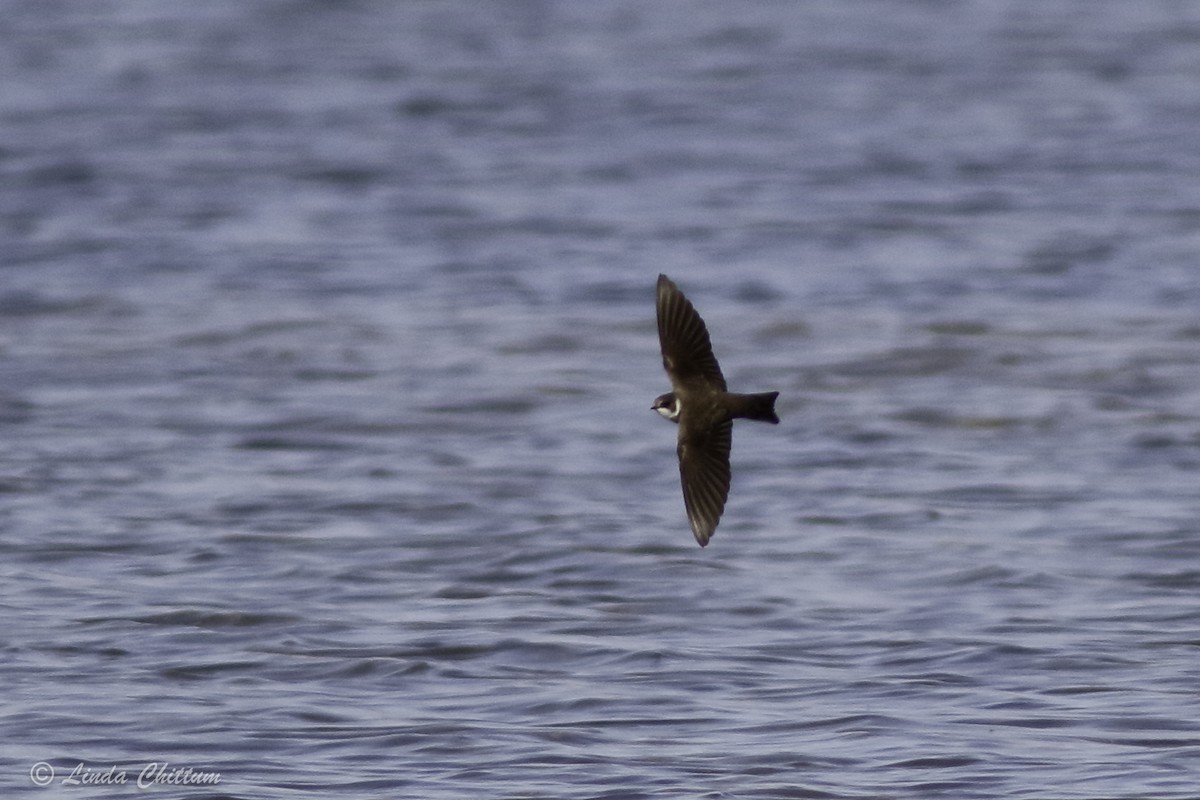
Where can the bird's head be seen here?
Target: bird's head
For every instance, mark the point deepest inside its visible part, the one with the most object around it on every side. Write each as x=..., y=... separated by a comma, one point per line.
x=667, y=405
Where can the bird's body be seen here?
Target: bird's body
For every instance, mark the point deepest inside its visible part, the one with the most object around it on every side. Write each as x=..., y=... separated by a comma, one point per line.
x=702, y=407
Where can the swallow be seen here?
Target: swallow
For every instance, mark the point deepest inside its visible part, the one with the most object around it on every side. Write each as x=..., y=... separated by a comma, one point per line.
x=702, y=407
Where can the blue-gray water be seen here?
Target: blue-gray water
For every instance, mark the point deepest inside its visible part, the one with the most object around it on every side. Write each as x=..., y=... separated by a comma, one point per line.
x=327, y=348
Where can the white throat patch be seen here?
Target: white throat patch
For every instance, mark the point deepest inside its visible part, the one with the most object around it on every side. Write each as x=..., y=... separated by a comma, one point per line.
x=671, y=412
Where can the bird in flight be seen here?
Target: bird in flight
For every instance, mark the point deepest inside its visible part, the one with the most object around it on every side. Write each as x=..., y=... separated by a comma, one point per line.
x=702, y=407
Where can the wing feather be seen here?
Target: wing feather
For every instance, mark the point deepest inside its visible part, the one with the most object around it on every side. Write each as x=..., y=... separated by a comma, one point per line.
x=686, y=349
x=704, y=473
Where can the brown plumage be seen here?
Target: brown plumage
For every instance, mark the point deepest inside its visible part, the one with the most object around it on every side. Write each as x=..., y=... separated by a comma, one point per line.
x=702, y=407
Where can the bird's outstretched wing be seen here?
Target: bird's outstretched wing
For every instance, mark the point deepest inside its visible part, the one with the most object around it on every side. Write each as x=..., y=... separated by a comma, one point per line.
x=704, y=472
x=686, y=350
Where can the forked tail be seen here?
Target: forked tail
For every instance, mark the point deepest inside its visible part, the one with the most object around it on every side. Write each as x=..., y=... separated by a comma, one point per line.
x=757, y=406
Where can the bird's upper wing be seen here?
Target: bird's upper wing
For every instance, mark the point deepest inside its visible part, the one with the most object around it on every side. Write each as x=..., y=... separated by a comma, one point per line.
x=704, y=472
x=686, y=350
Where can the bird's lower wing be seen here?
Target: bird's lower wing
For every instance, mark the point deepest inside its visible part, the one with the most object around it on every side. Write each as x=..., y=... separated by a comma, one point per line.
x=704, y=472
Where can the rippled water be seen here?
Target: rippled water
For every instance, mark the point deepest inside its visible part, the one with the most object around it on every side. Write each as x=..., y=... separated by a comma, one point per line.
x=327, y=347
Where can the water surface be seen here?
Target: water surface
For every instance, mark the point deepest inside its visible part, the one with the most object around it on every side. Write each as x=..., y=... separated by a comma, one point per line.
x=326, y=354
